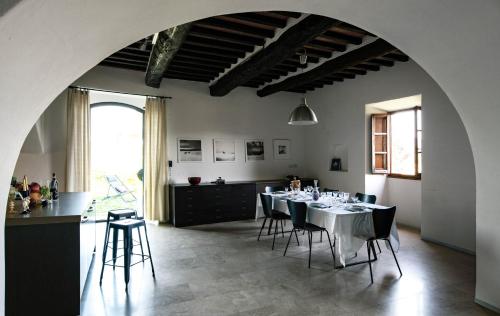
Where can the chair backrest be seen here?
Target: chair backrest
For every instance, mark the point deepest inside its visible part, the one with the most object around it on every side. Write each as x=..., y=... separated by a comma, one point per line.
x=382, y=221
x=116, y=184
x=267, y=204
x=330, y=190
x=270, y=189
x=298, y=212
x=366, y=198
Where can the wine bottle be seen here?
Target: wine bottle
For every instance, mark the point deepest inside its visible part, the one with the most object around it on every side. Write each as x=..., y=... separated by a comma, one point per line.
x=54, y=187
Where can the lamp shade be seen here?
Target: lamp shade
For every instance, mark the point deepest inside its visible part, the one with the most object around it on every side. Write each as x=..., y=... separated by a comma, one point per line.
x=303, y=115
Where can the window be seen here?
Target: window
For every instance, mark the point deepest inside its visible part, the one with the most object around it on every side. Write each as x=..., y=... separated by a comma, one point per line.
x=397, y=143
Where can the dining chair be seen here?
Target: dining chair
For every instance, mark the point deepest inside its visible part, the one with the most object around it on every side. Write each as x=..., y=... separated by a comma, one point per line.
x=270, y=189
x=366, y=198
x=298, y=213
x=330, y=190
x=382, y=224
x=273, y=215
x=371, y=199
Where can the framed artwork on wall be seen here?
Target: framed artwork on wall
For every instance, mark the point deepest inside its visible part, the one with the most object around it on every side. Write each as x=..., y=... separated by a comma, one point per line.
x=254, y=150
x=189, y=150
x=224, y=150
x=281, y=148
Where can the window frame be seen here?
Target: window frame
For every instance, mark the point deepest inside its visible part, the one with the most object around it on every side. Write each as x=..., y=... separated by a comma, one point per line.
x=388, y=170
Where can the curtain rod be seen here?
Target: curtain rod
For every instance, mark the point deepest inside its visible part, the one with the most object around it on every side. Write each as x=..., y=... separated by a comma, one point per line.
x=111, y=91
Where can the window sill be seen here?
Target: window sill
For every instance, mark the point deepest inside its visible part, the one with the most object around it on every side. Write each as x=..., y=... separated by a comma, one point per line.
x=403, y=176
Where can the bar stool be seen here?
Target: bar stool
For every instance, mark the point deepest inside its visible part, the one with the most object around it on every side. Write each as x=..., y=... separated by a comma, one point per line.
x=126, y=226
x=115, y=215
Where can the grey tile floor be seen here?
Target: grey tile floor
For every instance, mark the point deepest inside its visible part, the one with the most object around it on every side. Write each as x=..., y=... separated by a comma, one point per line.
x=221, y=269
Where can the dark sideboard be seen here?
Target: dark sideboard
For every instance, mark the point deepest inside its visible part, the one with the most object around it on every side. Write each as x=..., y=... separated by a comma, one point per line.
x=208, y=203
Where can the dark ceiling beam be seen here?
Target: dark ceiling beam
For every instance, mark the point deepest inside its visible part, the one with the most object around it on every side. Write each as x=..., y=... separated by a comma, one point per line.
x=340, y=38
x=281, y=49
x=235, y=28
x=350, y=59
x=167, y=44
x=260, y=19
x=225, y=36
x=198, y=41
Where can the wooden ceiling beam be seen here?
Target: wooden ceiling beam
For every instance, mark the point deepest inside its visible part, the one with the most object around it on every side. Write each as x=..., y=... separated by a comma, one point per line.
x=340, y=38
x=281, y=49
x=235, y=28
x=260, y=19
x=203, y=42
x=199, y=60
x=226, y=37
x=206, y=56
x=167, y=44
x=212, y=51
x=360, y=55
x=383, y=62
x=396, y=57
x=212, y=68
x=122, y=65
x=368, y=67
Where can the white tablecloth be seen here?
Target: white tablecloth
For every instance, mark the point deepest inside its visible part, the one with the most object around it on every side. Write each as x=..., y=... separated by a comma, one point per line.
x=350, y=229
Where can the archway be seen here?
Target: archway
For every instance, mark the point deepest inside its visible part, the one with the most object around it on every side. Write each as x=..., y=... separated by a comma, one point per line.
x=75, y=36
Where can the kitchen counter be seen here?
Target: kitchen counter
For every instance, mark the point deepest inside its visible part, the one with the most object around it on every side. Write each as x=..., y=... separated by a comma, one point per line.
x=67, y=209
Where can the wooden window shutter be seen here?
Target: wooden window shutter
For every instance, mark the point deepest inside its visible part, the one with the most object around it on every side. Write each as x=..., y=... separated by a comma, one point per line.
x=380, y=143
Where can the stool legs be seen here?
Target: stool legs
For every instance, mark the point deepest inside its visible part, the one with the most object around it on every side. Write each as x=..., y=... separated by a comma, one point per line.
x=149, y=250
x=127, y=249
x=115, y=246
x=105, y=251
x=140, y=242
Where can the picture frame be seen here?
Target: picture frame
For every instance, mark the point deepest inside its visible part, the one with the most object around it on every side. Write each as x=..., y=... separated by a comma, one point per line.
x=336, y=164
x=189, y=150
x=254, y=150
x=224, y=150
x=281, y=149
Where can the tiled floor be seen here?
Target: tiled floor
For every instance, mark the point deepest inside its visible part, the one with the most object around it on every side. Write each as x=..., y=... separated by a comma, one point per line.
x=221, y=269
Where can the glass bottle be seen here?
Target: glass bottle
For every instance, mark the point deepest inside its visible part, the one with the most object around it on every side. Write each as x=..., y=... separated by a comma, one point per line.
x=54, y=187
x=315, y=193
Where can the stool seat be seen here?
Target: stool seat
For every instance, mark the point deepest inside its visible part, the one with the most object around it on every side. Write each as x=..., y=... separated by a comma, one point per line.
x=127, y=223
x=117, y=214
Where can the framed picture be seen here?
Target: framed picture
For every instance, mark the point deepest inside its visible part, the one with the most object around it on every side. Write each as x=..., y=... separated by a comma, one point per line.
x=189, y=150
x=281, y=148
x=254, y=150
x=224, y=150
x=336, y=164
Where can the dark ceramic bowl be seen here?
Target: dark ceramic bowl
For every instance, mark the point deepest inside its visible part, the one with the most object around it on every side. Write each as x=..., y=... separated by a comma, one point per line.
x=194, y=180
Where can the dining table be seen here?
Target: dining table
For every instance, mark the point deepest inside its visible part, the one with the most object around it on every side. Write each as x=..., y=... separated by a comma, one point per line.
x=350, y=224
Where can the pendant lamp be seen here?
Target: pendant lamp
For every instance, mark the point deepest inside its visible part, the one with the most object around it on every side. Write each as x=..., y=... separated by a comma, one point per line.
x=303, y=115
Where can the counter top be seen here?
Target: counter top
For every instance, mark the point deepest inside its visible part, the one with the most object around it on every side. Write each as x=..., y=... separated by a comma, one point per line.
x=234, y=182
x=227, y=182
x=67, y=209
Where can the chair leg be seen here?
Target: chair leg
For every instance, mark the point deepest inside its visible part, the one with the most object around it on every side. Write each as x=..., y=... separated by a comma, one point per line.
x=331, y=248
x=321, y=236
x=149, y=250
x=127, y=242
x=309, y=234
x=115, y=246
x=372, y=245
x=270, y=226
x=263, y=224
x=282, y=232
x=369, y=259
x=106, y=239
x=394, y=255
x=105, y=252
x=140, y=243
x=296, y=237
x=379, y=250
x=275, y=232
x=288, y=243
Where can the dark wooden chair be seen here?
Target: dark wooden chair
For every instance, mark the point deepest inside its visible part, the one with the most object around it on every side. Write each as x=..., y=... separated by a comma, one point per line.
x=298, y=212
x=270, y=189
x=330, y=190
x=371, y=199
x=366, y=198
x=382, y=223
x=272, y=215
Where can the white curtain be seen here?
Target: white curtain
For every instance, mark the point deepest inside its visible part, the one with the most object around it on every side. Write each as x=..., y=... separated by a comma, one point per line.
x=78, y=141
x=155, y=160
